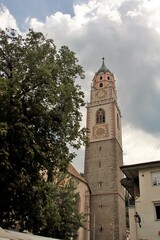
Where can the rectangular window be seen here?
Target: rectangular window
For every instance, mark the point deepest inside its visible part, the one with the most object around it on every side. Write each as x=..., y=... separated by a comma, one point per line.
x=100, y=184
x=101, y=205
x=156, y=178
x=157, y=210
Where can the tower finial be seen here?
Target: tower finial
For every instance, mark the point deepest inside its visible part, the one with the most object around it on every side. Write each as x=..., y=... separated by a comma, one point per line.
x=103, y=67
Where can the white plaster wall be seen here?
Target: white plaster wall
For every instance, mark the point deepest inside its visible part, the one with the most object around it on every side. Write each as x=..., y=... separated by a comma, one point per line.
x=145, y=208
x=133, y=226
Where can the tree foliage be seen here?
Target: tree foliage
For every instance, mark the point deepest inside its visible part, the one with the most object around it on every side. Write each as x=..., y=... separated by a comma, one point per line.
x=39, y=122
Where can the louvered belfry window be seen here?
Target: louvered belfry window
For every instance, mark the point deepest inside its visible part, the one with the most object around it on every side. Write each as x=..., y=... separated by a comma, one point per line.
x=100, y=116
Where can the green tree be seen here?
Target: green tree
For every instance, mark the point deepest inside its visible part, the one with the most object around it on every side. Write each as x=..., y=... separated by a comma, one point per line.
x=59, y=218
x=39, y=122
x=66, y=211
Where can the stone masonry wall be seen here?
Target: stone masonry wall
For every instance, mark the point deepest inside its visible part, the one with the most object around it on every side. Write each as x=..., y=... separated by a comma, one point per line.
x=102, y=162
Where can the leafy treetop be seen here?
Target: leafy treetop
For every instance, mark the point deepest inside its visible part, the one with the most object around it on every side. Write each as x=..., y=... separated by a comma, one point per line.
x=39, y=117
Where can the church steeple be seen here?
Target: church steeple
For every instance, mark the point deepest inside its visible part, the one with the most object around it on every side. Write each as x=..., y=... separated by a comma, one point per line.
x=103, y=68
x=103, y=84
x=103, y=157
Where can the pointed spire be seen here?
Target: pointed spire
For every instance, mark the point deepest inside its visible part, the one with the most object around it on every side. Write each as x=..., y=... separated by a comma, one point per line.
x=103, y=67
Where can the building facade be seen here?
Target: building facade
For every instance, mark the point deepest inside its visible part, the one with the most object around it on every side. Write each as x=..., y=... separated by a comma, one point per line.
x=143, y=184
x=83, y=204
x=103, y=157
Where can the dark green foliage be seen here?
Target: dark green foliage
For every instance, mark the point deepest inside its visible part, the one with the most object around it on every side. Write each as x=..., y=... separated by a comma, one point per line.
x=66, y=220
x=39, y=121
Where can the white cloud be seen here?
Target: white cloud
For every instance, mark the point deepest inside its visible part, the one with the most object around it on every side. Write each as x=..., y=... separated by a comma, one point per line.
x=6, y=19
x=139, y=146
x=150, y=11
x=34, y=22
x=85, y=13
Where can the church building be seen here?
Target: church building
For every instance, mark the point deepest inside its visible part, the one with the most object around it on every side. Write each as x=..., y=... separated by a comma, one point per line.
x=103, y=158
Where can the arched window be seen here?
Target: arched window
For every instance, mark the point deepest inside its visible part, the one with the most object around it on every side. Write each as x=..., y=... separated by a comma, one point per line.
x=100, y=116
x=101, y=85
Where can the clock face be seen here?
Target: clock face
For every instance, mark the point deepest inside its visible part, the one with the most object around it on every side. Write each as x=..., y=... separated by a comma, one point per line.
x=100, y=131
x=101, y=94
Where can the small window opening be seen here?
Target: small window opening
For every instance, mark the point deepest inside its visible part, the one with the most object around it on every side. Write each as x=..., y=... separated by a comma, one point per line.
x=156, y=178
x=108, y=77
x=101, y=85
x=100, y=164
x=101, y=229
x=100, y=184
x=157, y=210
x=101, y=78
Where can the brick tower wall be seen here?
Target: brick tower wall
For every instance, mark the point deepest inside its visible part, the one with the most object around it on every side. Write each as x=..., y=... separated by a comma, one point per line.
x=102, y=162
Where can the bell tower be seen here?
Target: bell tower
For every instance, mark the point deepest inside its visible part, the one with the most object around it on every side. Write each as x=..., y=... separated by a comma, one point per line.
x=103, y=157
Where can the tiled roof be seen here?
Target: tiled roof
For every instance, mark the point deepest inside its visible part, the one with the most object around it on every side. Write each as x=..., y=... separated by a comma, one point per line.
x=74, y=173
x=103, y=68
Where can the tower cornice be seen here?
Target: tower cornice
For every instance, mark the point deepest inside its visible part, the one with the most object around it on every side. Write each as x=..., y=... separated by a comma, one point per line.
x=103, y=102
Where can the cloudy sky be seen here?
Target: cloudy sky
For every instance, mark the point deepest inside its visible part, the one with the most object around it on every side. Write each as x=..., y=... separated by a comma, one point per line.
x=127, y=34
